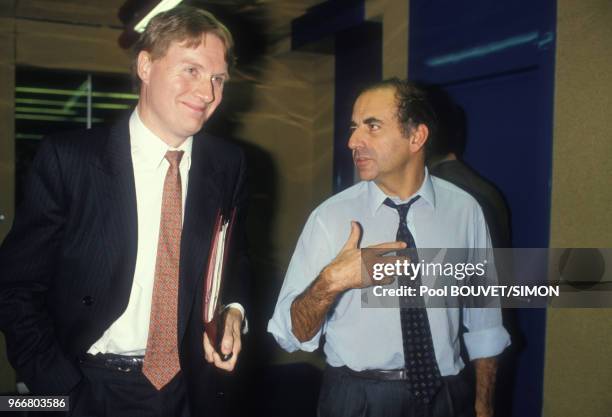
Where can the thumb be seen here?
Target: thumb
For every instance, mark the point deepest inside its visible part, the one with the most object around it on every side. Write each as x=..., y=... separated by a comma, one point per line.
x=353, y=239
x=227, y=343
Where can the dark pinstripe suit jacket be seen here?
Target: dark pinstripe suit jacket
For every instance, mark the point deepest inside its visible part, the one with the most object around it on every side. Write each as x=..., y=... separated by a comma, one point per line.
x=67, y=265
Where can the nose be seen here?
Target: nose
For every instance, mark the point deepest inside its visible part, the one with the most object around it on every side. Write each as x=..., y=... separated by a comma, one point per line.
x=206, y=91
x=355, y=140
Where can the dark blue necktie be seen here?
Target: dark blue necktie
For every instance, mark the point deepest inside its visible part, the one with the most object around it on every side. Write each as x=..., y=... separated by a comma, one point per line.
x=422, y=370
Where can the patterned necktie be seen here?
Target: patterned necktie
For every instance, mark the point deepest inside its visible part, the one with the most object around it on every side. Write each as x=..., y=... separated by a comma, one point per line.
x=421, y=367
x=161, y=361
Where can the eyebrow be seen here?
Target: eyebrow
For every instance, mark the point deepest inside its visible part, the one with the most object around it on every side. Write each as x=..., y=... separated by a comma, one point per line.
x=367, y=121
x=199, y=66
x=191, y=62
x=372, y=120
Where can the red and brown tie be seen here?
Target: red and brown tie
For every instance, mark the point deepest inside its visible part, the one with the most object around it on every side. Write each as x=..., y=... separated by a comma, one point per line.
x=161, y=361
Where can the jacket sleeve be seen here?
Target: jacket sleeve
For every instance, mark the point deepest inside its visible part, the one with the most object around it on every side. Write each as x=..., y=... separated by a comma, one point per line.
x=28, y=264
x=237, y=285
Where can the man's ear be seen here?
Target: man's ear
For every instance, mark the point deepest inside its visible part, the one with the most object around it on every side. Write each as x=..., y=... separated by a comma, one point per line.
x=419, y=137
x=143, y=66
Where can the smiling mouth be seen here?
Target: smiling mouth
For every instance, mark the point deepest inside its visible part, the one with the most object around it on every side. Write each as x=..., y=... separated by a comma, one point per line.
x=197, y=109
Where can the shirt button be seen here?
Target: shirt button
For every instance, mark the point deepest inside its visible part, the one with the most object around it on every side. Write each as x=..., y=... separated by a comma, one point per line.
x=87, y=300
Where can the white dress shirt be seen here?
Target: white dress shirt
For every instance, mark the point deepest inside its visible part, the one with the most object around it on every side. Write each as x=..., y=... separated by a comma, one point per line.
x=128, y=334
x=370, y=338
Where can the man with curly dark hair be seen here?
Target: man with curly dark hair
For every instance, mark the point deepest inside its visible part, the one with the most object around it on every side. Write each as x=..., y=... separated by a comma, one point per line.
x=389, y=362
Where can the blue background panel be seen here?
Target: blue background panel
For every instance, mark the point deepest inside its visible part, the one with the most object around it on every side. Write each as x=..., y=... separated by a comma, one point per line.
x=508, y=144
x=496, y=60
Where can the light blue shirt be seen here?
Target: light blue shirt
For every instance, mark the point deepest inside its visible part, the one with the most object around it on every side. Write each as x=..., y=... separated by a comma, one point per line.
x=370, y=338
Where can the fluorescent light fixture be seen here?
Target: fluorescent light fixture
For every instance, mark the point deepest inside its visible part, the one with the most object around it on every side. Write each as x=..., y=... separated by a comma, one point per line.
x=83, y=90
x=46, y=118
x=34, y=90
x=62, y=112
x=482, y=50
x=162, y=6
x=28, y=136
x=112, y=106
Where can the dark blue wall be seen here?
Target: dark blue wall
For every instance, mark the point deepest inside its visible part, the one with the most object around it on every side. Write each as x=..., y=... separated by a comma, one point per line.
x=496, y=59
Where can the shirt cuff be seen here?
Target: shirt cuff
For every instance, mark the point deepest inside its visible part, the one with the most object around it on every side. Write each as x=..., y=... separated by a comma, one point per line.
x=245, y=321
x=282, y=333
x=487, y=342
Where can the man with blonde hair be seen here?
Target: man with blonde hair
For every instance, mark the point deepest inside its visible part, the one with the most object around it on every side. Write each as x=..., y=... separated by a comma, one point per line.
x=102, y=285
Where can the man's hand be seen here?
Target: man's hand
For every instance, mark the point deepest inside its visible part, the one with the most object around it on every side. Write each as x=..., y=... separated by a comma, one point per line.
x=350, y=269
x=231, y=342
x=309, y=308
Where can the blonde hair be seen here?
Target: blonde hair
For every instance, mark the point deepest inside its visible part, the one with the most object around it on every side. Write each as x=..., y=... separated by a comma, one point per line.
x=182, y=23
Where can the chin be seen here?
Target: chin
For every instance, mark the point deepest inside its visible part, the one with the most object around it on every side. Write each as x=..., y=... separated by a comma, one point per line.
x=366, y=176
x=192, y=128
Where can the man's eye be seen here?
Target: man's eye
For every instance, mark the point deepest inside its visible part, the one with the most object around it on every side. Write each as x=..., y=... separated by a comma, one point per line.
x=373, y=126
x=192, y=70
x=218, y=80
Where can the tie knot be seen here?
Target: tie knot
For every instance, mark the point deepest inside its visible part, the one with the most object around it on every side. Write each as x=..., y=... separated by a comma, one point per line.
x=174, y=157
x=401, y=208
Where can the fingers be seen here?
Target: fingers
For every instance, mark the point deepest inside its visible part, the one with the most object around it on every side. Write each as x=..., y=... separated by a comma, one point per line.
x=231, y=343
x=354, y=237
x=389, y=245
x=391, y=259
x=227, y=365
x=385, y=281
x=208, y=350
x=228, y=336
x=234, y=349
x=371, y=257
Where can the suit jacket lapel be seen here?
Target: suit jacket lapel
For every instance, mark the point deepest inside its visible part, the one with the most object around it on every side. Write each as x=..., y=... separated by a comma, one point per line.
x=116, y=195
x=203, y=201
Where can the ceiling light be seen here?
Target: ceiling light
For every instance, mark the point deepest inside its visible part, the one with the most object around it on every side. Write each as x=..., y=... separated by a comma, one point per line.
x=162, y=6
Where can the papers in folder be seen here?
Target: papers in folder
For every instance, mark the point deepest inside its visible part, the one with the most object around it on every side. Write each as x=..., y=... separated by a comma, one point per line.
x=216, y=263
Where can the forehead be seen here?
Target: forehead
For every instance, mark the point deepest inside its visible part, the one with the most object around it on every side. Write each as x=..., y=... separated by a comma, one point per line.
x=379, y=103
x=207, y=45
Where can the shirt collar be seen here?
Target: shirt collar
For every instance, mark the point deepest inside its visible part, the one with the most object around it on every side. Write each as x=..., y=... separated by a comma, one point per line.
x=148, y=149
x=376, y=196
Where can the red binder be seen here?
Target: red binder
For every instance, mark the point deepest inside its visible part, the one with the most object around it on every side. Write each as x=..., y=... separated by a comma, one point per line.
x=217, y=260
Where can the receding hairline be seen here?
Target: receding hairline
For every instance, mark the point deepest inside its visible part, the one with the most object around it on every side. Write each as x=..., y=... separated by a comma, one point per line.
x=378, y=87
x=392, y=89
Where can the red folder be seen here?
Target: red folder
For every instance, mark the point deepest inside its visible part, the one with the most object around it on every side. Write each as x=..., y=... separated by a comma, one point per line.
x=217, y=260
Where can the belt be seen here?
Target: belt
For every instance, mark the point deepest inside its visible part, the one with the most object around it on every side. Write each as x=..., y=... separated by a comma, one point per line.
x=390, y=374
x=380, y=374
x=114, y=362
